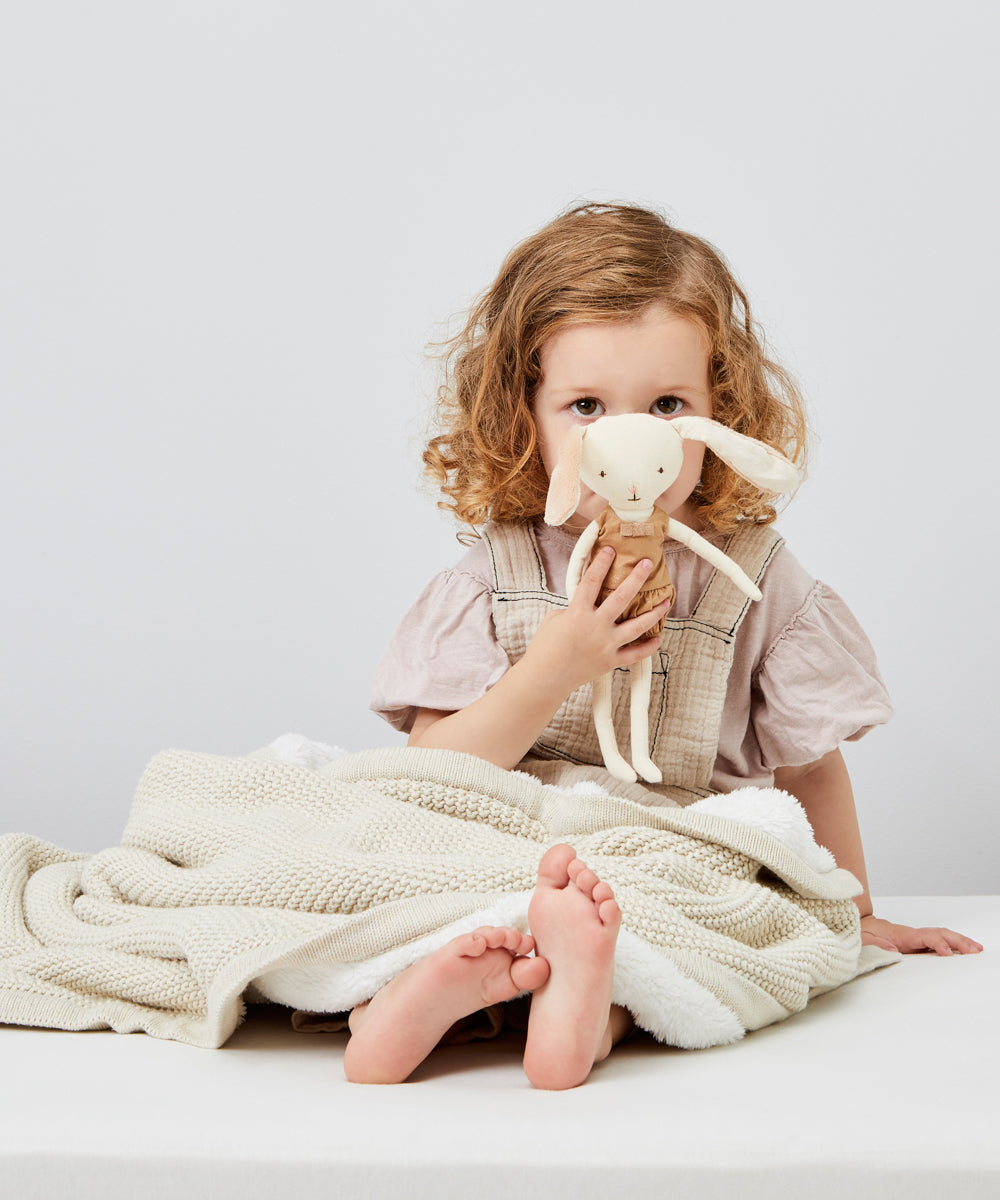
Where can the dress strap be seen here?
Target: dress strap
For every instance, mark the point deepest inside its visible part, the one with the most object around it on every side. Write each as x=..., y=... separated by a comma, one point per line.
x=515, y=558
x=722, y=604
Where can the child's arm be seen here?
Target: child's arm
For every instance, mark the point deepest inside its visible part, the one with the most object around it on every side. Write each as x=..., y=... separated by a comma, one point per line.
x=823, y=788
x=572, y=646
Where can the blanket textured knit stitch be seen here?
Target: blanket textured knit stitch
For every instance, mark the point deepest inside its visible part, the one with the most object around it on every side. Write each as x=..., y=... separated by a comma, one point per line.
x=252, y=878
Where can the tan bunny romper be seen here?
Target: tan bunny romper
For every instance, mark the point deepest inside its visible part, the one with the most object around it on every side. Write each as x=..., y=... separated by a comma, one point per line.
x=633, y=541
x=690, y=670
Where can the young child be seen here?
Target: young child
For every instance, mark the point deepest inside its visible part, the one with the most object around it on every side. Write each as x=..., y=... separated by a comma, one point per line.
x=610, y=310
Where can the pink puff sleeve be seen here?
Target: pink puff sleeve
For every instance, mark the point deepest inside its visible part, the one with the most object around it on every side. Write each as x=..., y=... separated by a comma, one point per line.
x=444, y=654
x=817, y=684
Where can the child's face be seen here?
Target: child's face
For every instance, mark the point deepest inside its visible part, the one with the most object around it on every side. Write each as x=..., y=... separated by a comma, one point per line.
x=657, y=363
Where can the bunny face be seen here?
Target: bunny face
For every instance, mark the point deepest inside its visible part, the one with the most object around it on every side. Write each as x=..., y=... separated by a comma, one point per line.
x=652, y=457
x=630, y=461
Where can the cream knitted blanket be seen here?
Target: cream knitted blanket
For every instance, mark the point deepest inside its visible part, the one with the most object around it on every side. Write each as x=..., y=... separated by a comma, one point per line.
x=251, y=878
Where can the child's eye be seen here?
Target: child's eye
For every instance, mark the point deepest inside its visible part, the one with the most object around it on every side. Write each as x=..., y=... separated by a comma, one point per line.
x=587, y=407
x=667, y=406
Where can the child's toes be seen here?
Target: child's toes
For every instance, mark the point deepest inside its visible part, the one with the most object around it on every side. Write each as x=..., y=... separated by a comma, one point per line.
x=527, y=974
x=610, y=913
x=472, y=945
x=586, y=881
x=553, y=870
x=493, y=936
x=502, y=937
x=602, y=891
x=524, y=943
x=511, y=939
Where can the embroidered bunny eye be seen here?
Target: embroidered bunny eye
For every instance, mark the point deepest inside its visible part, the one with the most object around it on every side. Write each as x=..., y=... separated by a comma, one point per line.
x=603, y=473
x=660, y=470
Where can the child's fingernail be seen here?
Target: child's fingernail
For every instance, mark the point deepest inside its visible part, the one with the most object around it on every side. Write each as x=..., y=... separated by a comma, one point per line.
x=646, y=564
x=608, y=550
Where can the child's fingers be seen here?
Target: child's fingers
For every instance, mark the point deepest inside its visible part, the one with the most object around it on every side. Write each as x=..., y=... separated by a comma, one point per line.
x=917, y=941
x=627, y=590
x=634, y=646
x=636, y=651
x=946, y=942
x=593, y=578
x=634, y=628
x=964, y=945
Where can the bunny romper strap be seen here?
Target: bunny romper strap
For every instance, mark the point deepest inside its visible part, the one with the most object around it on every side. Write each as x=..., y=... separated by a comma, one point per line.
x=690, y=670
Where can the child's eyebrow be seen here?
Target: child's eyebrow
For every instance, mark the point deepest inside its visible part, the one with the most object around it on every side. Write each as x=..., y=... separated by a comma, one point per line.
x=658, y=390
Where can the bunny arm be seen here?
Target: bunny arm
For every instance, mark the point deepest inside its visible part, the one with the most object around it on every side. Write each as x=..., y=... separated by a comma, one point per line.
x=694, y=541
x=578, y=559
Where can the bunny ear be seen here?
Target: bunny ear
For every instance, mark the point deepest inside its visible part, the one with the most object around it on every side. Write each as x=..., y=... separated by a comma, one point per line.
x=564, y=486
x=761, y=464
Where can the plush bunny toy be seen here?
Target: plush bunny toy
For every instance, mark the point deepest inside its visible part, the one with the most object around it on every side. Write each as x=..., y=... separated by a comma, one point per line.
x=629, y=461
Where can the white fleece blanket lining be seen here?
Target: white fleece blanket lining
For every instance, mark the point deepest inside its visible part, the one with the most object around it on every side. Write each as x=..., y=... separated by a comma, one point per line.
x=643, y=980
x=696, y=1017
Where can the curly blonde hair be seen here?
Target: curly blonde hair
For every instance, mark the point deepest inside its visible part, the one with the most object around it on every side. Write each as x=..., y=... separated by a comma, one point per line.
x=599, y=262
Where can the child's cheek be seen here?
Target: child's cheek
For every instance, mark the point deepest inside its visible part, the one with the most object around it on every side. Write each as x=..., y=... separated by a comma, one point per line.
x=680, y=490
x=591, y=505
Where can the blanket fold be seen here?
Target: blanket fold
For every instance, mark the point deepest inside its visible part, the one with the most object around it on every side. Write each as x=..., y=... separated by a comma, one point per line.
x=253, y=877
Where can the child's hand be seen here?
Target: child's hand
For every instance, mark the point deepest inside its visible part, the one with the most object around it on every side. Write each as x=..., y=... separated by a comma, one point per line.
x=876, y=932
x=582, y=641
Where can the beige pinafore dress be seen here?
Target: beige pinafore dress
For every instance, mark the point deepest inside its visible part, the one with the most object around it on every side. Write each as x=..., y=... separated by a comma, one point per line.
x=690, y=671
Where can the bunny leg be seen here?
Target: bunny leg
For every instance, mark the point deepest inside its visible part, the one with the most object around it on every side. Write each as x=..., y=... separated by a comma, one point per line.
x=606, y=731
x=641, y=686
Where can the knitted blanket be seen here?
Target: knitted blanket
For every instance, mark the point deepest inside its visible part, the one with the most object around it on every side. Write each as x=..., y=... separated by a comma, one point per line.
x=253, y=878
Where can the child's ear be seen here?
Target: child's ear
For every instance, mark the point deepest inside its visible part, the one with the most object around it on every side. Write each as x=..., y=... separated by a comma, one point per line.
x=564, y=486
x=761, y=464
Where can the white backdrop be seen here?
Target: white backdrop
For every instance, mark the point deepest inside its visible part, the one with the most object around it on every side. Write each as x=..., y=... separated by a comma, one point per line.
x=227, y=231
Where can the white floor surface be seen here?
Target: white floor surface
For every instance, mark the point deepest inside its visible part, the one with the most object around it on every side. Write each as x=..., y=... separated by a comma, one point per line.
x=885, y=1088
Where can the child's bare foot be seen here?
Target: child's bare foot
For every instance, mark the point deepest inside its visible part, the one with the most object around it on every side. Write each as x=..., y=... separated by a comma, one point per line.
x=574, y=919
x=394, y=1032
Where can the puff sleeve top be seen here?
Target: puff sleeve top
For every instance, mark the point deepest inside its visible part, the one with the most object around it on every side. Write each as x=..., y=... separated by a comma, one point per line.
x=804, y=675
